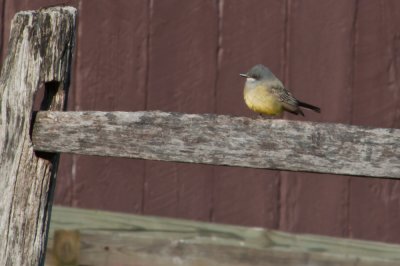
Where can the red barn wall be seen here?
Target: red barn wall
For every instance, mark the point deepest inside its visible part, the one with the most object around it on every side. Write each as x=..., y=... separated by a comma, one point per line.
x=185, y=56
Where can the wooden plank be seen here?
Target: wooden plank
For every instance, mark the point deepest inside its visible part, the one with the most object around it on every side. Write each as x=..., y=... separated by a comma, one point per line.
x=181, y=78
x=39, y=54
x=114, y=238
x=376, y=103
x=223, y=140
x=319, y=70
x=112, y=53
x=247, y=36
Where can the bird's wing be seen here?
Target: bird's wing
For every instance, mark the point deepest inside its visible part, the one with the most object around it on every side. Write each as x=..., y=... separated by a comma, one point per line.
x=284, y=95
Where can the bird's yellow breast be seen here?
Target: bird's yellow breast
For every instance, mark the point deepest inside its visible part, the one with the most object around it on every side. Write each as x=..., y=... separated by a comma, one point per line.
x=261, y=101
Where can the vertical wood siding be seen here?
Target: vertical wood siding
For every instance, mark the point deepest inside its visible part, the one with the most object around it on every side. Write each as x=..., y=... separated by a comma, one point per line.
x=185, y=56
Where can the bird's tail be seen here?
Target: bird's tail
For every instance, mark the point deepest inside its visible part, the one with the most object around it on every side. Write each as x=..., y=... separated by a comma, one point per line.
x=309, y=106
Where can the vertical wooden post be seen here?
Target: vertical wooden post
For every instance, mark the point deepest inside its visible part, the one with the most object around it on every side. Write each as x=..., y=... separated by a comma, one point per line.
x=39, y=54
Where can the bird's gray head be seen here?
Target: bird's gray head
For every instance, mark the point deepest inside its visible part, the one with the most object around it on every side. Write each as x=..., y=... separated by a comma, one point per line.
x=259, y=72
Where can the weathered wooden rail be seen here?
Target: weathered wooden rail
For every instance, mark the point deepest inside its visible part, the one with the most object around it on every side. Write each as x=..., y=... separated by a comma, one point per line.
x=121, y=239
x=223, y=140
x=40, y=52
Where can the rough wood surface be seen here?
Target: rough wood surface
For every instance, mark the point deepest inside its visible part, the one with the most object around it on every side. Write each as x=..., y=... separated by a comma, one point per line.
x=223, y=140
x=39, y=54
x=121, y=239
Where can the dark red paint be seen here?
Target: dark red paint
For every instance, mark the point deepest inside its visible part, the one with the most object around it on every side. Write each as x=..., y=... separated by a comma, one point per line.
x=185, y=56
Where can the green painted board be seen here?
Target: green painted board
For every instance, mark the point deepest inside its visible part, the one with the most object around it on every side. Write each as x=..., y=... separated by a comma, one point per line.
x=122, y=239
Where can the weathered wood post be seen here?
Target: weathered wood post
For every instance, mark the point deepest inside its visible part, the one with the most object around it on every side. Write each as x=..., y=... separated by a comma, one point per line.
x=39, y=54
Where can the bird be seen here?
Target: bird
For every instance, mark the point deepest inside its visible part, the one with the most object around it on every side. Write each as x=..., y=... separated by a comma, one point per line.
x=265, y=94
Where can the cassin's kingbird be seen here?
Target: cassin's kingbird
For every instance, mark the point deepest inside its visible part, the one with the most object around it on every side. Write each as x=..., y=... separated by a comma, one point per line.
x=265, y=94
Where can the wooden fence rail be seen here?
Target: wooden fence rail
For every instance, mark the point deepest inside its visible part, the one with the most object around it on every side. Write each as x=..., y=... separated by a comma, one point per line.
x=223, y=140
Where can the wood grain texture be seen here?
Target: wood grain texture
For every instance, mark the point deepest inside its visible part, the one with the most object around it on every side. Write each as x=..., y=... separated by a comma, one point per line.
x=181, y=78
x=10, y=8
x=223, y=140
x=39, y=54
x=319, y=71
x=65, y=185
x=247, y=36
x=376, y=102
x=121, y=239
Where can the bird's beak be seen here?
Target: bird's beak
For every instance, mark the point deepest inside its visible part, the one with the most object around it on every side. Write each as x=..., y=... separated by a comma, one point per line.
x=244, y=75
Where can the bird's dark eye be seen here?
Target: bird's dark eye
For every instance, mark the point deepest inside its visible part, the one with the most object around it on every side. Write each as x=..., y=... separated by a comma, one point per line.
x=255, y=76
